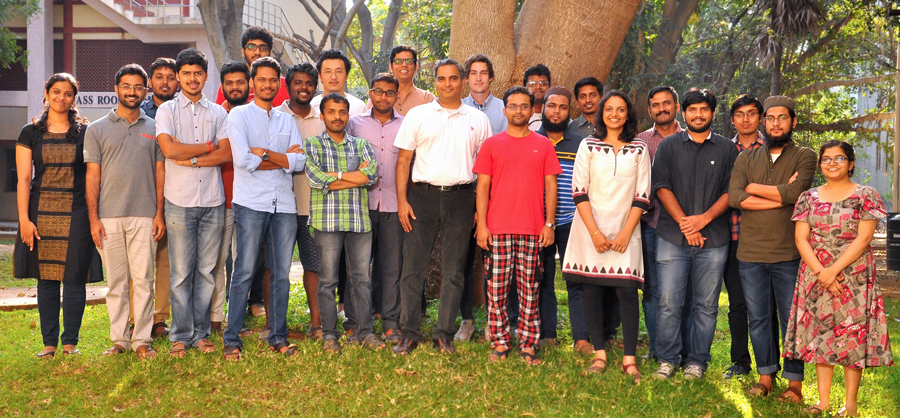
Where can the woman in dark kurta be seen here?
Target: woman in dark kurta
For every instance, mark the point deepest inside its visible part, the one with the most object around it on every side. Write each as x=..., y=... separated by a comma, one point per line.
x=54, y=243
x=838, y=317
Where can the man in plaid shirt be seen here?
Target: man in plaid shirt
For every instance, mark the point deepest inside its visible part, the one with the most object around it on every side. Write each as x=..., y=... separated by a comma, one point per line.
x=340, y=166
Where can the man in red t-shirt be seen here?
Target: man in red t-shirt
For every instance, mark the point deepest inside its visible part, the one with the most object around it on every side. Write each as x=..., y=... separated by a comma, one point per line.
x=516, y=206
x=256, y=42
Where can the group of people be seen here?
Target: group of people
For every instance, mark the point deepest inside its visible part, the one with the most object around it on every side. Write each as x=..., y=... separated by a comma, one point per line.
x=191, y=202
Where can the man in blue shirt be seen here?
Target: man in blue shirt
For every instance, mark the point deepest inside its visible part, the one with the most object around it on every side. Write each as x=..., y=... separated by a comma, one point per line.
x=265, y=144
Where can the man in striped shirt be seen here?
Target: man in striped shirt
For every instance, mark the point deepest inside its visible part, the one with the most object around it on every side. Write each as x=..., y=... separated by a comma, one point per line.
x=339, y=168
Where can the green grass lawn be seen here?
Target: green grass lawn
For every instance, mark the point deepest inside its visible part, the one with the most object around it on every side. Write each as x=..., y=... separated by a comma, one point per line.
x=365, y=383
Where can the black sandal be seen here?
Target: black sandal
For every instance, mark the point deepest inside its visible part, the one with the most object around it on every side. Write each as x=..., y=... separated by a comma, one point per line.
x=46, y=355
x=284, y=348
x=232, y=352
x=529, y=358
x=501, y=355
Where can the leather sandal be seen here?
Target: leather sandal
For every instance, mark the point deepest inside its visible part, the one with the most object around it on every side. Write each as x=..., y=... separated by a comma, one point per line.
x=72, y=352
x=115, y=349
x=530, y=358
x=284, y=348
x=45, y=355
x=232, y=353
x=145, y=352
x=637, y=373
x=788, y=399
x=178, y=350
x=759, y=390
x=812, y=410
x=497, y=355
x=206, y=346
x=597, y=368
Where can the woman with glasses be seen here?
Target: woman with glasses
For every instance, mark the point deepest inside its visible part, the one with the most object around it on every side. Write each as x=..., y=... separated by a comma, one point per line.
x=837, y=317
x=54, y=243
x=611, y=188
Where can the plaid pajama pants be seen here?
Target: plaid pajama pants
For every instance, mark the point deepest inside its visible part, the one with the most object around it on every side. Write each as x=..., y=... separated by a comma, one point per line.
x=513, y=257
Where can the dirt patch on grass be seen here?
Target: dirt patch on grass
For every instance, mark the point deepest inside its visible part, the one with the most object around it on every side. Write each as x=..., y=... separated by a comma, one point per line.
x=888, y=279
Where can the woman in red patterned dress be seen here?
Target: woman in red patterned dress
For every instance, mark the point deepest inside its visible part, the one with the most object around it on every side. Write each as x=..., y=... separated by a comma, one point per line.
x=837, y=317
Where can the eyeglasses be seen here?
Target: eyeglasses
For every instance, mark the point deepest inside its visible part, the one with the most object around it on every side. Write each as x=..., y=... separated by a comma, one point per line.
x=512, y=107
x=533, y=83
x=380, y=92
x=839, y=159
x=127, y=87
x=749, y=115
x=254, y=47
x=400, y=61
x=779, y=118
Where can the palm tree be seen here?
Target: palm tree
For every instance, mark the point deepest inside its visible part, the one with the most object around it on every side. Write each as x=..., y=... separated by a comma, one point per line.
x=788, y=20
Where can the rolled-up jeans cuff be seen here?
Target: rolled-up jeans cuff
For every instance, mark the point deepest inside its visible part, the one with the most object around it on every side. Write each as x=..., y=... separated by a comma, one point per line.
x=277, y=340
x=768, y=369
x=796, y=377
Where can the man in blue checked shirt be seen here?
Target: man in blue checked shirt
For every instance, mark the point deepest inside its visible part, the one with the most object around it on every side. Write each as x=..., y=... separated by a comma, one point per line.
x=265, y=144
x=339, y=168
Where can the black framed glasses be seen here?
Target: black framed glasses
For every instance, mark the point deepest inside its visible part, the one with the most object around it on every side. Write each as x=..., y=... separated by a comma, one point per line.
x=380, y=92
x=254, y=47
x=399, y=61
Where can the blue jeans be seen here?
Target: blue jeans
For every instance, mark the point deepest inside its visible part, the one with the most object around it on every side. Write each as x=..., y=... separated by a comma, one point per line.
x=251, y=228
x=195, y=235
x=677, y=267
x=759, y=280
x=358, y=300
x=650, y=300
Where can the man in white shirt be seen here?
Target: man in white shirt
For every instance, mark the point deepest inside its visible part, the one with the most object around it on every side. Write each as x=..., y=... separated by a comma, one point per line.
x=445, y=135
x=334, y=67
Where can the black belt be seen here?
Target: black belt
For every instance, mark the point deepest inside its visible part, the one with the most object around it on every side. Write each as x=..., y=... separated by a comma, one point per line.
x=466, y=186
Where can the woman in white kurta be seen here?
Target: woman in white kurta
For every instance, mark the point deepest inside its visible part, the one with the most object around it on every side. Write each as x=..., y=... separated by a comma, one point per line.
x=611, y=188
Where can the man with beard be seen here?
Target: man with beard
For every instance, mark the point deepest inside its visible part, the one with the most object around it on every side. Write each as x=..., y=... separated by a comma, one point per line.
x=339, y=168
x=445, y=136
x=765, y=184
x=554, y=123
x=690, y=179
x=588, y=92
x=235, y=79
x=517, y=172
x=256, y=43
x=195, y=200
x=123, y=159
x=662, y=106
x=162, y=84
x=266, y=148
x=537, y=79
x=301, y=80
x=379, y=126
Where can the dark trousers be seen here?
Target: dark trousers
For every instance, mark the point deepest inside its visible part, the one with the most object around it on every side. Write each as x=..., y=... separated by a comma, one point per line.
x=738, y=323
x=451, y=213
x=73, y=300
x=387, y=258
x=467, y=304
x=594, y=300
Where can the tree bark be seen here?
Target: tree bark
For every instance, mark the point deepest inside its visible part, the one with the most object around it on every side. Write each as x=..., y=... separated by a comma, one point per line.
x=223, y=22
x=857, y=124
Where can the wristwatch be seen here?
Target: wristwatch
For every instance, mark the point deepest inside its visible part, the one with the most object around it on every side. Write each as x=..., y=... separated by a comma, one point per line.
x=194, y=162
x=340, y=175
x=551, y=226
x=265, y=156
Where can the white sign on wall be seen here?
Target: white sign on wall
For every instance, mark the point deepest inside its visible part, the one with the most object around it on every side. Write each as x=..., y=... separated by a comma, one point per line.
x=96, y=99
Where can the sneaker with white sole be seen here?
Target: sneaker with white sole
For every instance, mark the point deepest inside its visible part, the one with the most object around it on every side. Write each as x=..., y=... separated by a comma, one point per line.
x=693, y=372
x=665, y=371
x=466, y=329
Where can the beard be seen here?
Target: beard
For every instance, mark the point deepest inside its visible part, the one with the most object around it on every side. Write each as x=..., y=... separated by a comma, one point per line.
x=136, y=105
x=554, y=127
x=164, y=97
x=237, y=101
x=779, y=141
x=701, y=129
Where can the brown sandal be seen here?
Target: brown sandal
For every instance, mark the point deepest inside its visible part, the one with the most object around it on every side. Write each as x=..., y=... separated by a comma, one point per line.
x=637, y=373
x=284, y=348
x=232, y=352
x=759, y=390
x=785, y=398
x=178, y=350
x=206, y=346
x=115, y=349
x=145, y=352
x=595, y=368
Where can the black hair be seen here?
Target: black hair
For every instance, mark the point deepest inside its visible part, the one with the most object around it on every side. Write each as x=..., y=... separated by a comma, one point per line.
x=588, y=81
x=264, y=62
x=303, y=67
x=386, y=77
x=76, y=121
x=746, y=100
x=847, y=148
x=401, y=48
x=658, y=89
x=256, y=32
x=790, y=112
x=333, y=54
x=479, y=58
x=234, y=67
x=131, y=69
x=191, y=56
x=162, y=63
x=518, y=90
x=448, y=61
x=333, y=97
x=697, y=95
x=539, y=69
x=631, y=124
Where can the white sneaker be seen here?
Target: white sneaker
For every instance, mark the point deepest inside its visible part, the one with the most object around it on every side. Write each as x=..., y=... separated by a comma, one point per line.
x=693, y=372
x=665, y=371
x=466, y=329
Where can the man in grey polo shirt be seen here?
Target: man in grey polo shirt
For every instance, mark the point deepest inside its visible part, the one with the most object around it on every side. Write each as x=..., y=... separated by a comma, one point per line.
x=123, y=159
x=188, y=127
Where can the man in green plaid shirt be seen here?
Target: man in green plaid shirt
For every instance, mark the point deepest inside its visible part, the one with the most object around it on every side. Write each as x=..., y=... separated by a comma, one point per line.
x=339, y=167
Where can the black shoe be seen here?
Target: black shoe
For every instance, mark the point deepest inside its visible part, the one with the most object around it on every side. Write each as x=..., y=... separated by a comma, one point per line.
x=405, y=346
x=444, y=345
x=736, y=370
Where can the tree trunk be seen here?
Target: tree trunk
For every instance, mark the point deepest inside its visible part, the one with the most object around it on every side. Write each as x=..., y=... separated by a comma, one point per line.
x=574, y=39
x=776, y=88
x=223, y=22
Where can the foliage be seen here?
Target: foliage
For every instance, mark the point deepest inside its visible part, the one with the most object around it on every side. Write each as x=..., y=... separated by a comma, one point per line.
x=10, y=52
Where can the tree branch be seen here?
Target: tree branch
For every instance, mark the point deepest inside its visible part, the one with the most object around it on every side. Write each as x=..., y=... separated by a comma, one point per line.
x=312, y=13
x=850, y=125
x=391, y=23
x=345, y=25
x=835, y=83
x=814, y=49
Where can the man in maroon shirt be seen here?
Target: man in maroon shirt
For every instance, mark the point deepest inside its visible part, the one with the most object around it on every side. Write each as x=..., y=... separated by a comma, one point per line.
x=256, y=43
